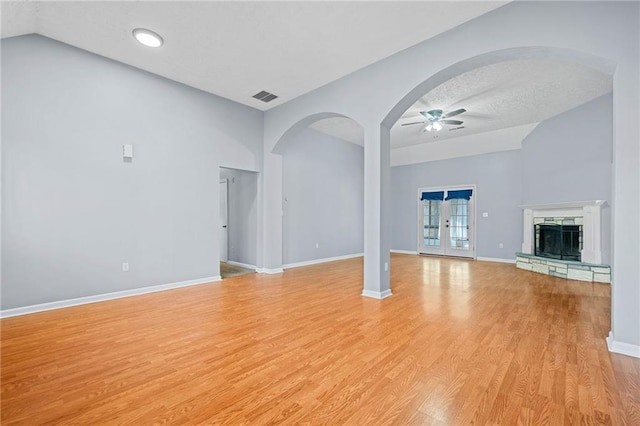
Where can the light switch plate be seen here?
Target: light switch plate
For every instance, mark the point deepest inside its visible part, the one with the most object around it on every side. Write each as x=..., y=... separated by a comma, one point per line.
x=127, y=151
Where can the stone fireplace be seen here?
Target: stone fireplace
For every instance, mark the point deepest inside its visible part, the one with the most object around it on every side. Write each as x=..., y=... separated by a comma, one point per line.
x=564, y=240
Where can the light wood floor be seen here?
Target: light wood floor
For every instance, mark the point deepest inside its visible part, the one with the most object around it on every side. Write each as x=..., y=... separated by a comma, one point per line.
x=459, y=342
x=228, y=270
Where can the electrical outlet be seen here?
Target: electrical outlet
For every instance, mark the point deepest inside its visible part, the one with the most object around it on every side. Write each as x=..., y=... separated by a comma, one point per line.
x=386, y=266
x=125, y=267
x=501, y=245
x=317, y=245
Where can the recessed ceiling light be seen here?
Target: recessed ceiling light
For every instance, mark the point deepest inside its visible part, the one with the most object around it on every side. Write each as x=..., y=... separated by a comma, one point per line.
x=148, y=37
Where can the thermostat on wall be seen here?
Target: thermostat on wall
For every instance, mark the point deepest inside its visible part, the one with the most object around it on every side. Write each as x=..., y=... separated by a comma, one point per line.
x=127, y=151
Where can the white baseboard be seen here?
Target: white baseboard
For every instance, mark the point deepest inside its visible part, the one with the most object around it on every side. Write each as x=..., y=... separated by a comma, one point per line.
x=376, y=294
x=102, y=297
x=269, y=271
x=242, y=265
x=622, y=347
x=316, y=261
x=496, y=259
x=404, y=251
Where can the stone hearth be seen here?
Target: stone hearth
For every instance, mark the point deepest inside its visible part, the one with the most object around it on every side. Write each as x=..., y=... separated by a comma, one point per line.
x=564, y=269
x=584, y=213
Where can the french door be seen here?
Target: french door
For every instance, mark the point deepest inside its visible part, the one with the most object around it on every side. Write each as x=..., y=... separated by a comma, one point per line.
x=446, y=222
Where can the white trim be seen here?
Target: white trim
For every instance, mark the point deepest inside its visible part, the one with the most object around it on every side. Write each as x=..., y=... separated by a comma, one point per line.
x=472, y=217
x=269, y=271
x=24, y=310
x=316, y=261
x=404, y=251
x=622, y=347
x=376, y=294
x=496, y=259
x=224, y=229
x=242, y=265
x=589, y=211
x=558, y=206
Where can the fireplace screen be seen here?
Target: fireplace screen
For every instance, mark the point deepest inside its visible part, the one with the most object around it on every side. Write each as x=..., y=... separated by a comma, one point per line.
x=558, y=241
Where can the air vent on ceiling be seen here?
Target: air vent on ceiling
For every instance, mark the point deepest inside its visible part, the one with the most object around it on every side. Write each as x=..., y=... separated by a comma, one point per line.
x=265, y=96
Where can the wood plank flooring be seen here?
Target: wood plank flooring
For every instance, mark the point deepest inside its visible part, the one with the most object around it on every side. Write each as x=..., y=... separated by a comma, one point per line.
x=228, y=270
x=459, y=342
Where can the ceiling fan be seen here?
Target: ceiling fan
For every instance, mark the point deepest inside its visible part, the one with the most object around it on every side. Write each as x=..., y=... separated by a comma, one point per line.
x=437, y=117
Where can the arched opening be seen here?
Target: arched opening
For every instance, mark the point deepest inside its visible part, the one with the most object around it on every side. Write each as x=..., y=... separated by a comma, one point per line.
x=528, y=52
x=322, y=160
x=518, y=108
x=552, y=138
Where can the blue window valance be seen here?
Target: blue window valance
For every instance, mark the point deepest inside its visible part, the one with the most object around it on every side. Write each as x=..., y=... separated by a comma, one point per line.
x=437, y=195
x=462, y=194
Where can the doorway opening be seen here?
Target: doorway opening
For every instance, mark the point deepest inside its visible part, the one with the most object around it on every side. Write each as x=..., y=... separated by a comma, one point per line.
x=446, y=221
x=238, y=222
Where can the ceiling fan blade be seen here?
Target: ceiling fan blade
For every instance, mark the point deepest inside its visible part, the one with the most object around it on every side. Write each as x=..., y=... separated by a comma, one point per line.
x=415, y=122
x=454, y=113
x=434, y=113
x=453, y=122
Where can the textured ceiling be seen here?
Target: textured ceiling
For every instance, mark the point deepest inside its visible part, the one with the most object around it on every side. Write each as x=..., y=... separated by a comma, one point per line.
x=235, y=49
x=498, y=96
x=502, y=95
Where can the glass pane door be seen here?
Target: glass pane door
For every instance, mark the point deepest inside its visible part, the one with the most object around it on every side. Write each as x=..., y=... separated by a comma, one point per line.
x=445, y=227
x=431, y=226
x=459, y=224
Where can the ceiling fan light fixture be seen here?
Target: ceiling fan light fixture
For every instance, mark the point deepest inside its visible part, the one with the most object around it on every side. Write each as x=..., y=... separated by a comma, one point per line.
x=429, y=127
x=148, y=37
x=437, y=126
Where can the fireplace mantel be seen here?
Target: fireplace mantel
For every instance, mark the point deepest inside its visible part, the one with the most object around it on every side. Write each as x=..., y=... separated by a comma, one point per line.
x=560, y=206
x=588, y=210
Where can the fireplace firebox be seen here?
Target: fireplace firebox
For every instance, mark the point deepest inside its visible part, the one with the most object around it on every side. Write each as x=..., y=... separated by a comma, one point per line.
x=558, y=241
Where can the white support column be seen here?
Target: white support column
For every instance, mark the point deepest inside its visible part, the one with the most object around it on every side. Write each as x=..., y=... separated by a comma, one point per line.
x=591, y=252
x=376, y=212
x=272, y=220
x=527, y=236
x=625, y=286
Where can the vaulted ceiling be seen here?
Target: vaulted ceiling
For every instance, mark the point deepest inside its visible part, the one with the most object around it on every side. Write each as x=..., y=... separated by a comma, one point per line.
x=235, y=49
x=502, y=95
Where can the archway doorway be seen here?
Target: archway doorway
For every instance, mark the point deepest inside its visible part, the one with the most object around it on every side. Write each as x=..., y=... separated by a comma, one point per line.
x=323, y=190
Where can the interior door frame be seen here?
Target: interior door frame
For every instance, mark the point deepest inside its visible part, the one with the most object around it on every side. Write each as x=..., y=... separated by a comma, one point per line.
x=224, y=229
x=420, y=227
x=472, y=216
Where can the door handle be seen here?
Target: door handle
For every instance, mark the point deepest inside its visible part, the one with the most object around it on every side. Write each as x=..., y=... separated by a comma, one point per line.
x=224, y=226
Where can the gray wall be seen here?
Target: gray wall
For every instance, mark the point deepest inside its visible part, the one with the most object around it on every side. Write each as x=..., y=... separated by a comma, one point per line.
x=72, y=210
x=562, y=30
x=242, y=190
x=323, y=189
x=566, y=158
x=497, y=178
